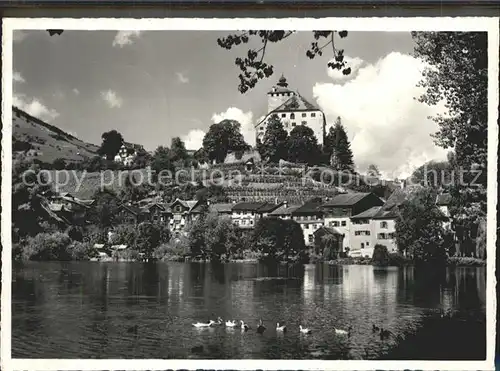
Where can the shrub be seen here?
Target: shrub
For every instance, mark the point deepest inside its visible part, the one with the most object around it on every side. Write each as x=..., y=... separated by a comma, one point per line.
x=47, y=246
x=380, y=256
x=59, y=164
x=398, y=260
x=465, y=261
x=172, y=251
x=82, y=251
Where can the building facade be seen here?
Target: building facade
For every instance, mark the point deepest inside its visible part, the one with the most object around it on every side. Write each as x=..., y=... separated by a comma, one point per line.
x=245, y=215
x=293, y=110
x=310, y=218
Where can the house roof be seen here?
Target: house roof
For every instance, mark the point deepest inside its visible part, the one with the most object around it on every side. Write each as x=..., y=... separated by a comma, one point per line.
x=133, y=209
x=399, y=196
x=190, y=204
x=254, y=206
x=296, y=103
x=310, y=207
x=329, y=230
x=346, y=199
x=368, y=214
x=443, y=199
x=386, y=214
x=285, y=210
x=221, y=208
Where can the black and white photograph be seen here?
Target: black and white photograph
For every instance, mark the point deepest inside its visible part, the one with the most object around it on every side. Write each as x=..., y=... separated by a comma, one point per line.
x=225, y=193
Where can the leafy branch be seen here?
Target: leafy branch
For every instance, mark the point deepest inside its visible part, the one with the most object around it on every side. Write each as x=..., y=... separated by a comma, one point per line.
x=253, y=67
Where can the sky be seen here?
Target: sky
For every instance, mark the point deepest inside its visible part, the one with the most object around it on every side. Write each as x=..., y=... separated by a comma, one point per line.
x=155, y=85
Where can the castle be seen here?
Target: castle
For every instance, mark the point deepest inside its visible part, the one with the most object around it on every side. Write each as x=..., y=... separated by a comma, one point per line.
x=293, y=110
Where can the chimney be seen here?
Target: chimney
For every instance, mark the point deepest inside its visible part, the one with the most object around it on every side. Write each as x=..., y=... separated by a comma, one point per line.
x=285, y=204
x=208, y=202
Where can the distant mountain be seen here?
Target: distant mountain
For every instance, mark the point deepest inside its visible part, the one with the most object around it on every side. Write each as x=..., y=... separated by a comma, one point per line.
x=46, y=142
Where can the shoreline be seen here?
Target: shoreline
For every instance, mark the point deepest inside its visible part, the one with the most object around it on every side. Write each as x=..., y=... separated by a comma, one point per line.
x=451, y=262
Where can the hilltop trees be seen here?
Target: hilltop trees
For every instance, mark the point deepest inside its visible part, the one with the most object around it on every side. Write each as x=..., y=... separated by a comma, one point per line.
x=303, y=146
x=178, y=152
x=274, y=145
x=337, y=147
x=111, y=143
x=222, y=138
x=162, y=160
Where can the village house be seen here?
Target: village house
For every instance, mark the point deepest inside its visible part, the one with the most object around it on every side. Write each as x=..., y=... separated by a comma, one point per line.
x=221, y=209
x=180, y=214
x=310, y=218
x=361, y=235
x=293, y=110
x=72, y=209
x=339, y=210
x=246, y=214
x=131, y=214
x=284, y=211
x=384, y=228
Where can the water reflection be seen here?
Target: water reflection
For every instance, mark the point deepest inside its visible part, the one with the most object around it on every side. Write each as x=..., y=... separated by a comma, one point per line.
x=86, y=310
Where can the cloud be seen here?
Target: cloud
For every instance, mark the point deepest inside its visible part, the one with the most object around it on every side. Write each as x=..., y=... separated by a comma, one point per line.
x=112, y=99
x=194, y=139
x=123, y=38
x=182, y=78
x=17, y=77
x=353, y=63
x=385, y=124
x=76, y=91
x=244, y=118
x=34, y=107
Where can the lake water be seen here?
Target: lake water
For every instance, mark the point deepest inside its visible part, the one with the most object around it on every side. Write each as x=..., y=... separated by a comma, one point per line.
x=88, y=309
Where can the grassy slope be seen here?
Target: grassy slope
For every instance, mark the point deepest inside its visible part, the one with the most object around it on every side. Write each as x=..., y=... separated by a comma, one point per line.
x=49, y=141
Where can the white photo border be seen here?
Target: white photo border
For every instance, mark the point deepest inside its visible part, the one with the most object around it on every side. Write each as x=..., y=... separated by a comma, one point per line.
x=387, y=24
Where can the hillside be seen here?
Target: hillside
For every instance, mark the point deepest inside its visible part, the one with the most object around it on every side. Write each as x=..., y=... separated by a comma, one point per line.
x=46, y=142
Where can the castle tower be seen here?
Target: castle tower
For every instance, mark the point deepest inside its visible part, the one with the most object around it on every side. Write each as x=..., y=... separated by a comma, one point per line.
x=278, y=95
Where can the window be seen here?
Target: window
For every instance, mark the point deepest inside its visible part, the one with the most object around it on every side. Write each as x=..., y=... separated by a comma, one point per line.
x=283, y=115
x=383, y=225
x=367, y=243
x=294, y=124
x=343, y=223
x=251, y=222
x=286, y=124
x=292, y=116
x=307, y=226
x=304, y=114
x=313, y=114
x=304, y=122
x=362, y=245
x=310, y=238
x=262, y=128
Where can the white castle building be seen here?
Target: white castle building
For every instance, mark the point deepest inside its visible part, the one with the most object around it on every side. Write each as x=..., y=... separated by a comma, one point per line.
x=293, y=110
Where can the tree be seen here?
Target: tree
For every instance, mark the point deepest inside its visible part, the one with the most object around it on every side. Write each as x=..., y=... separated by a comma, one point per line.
x=338, y=143
x=222, y=138
x=419, y=228
x=111, y=144
x=274, y=146
x=252, y=65
x=303, y=146
x=149, y=237
x=104, y=210
x=278, y=240
x=380, y=256
x=435, y=174
x=162, y=160
x=458, y=75
x=59, y=164
x=178, y=151
x=142, y=159
x=373, y=171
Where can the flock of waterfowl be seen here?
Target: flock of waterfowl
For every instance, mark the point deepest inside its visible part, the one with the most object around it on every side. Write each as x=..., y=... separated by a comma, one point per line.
x=260, y=328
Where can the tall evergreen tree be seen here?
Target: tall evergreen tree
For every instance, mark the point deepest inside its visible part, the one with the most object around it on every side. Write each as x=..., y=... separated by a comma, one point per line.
x=340, y=150
x=274, y=145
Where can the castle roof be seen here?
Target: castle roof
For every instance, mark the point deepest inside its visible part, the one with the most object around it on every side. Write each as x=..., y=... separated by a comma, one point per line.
x=296, y=103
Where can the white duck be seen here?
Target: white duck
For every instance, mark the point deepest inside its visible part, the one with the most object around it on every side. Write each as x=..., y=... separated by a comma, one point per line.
x=280, y=328
x=244, y=326
x=343, y=332
x=304, y=330
x=203, y=324
x=231, y=323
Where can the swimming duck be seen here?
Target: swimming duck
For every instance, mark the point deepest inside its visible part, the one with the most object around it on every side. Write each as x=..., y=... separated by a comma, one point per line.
x=244, y=326
x=204, y=324
x=231, y=323
x=280, y=328
x=375, y=328
x=343, y=332
x=261, y=328
x=304, y=330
